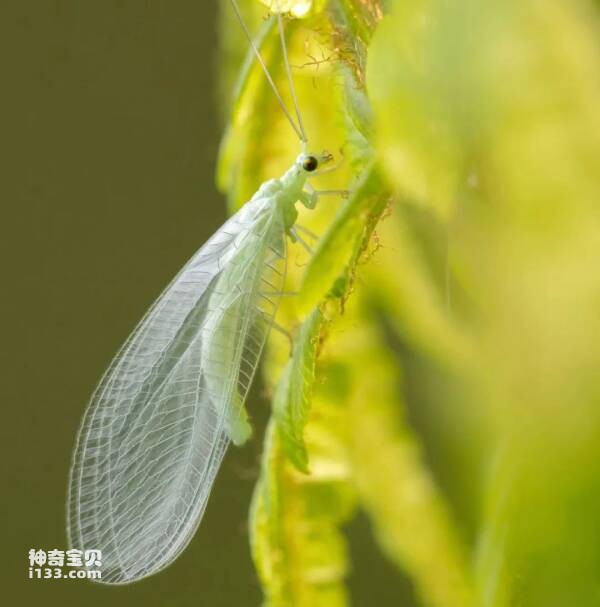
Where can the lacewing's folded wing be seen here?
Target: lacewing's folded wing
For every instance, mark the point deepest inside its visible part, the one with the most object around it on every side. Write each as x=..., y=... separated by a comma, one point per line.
x=159, y=422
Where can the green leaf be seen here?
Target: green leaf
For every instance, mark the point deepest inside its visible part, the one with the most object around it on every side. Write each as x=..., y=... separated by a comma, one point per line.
x=332, y=265
x=297, y=546
x=292, y=399
x=353, y=25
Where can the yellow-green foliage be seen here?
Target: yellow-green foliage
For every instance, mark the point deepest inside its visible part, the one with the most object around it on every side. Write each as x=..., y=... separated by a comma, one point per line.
x=460, y=277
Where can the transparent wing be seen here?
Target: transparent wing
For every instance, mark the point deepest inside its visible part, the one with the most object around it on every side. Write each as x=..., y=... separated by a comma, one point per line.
x=159, y=422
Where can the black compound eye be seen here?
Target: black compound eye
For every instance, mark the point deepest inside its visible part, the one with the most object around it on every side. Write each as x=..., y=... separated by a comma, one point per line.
x=310, y=163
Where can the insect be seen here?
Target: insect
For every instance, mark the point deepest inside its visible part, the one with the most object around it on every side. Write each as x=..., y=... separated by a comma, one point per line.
x=158, y=424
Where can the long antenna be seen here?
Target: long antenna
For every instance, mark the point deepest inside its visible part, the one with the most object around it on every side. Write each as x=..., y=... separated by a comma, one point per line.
x=298, y=131
x=289, y=75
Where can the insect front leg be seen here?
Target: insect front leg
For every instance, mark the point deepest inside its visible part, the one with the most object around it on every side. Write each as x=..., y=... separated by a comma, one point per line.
x=318, y=193
x=309, y=198
x=313, y=194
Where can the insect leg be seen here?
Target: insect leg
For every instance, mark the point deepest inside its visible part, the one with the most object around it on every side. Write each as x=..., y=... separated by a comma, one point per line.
x=306, y=231
x=308, y=198
x=342, y=193
x=278, y=293
x=301, y=240
x=312, y=195
x=279, y=329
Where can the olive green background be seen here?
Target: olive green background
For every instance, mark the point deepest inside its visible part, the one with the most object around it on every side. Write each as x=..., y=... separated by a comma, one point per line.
x=110, y=133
